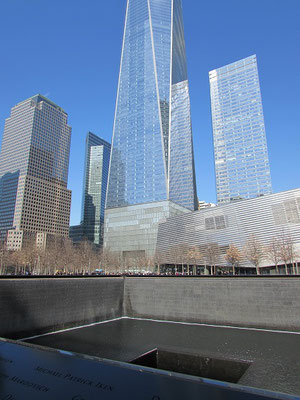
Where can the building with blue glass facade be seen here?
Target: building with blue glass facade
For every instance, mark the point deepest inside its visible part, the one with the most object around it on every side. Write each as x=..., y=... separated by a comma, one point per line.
x=34, y=162
x=152, y=149
x=241, y=155
x=97, y=156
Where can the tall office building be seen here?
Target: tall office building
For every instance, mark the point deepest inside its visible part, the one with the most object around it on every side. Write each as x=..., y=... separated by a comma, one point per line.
x=97, y=156
x=152, y=149
x=241, y=155
x=34, y=162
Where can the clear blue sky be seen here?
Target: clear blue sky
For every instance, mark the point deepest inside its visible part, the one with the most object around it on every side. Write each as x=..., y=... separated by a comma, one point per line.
x=69, y=50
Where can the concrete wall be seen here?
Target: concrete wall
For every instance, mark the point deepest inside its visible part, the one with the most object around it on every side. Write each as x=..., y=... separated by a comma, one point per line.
x=271, y=303
x=30, y=306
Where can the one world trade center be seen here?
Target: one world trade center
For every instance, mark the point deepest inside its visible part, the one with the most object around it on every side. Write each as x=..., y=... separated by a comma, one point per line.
x=152, y=157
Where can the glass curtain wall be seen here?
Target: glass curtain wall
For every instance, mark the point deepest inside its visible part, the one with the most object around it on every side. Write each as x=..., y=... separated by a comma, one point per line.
x=240, y=146
x=97, y=156
x=141, y=170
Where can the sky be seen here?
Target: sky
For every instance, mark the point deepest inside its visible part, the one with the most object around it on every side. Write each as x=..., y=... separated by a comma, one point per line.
x=69, y=51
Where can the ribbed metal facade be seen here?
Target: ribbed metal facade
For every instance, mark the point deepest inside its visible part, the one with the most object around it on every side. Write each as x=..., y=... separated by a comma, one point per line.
x=266, y=217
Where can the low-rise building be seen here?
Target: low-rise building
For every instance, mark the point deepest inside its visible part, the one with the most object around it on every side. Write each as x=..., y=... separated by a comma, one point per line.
x=274, y=217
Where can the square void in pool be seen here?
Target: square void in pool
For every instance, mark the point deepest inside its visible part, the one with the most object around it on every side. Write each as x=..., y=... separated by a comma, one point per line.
x=194, y=364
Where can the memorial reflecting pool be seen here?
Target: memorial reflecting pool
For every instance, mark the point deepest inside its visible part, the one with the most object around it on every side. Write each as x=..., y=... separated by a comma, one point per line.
x=262, y=359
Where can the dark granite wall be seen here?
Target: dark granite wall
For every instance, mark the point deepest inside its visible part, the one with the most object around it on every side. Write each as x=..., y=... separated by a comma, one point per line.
x=271, y=303
x=30, y=306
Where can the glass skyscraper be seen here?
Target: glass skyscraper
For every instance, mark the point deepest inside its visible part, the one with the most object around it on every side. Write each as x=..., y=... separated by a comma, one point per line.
x=152, y=150
x=241, y=155
x=97, y=156
x=34, y=162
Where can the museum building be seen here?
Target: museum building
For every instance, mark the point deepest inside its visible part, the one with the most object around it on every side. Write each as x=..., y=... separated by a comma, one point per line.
x=267, y=218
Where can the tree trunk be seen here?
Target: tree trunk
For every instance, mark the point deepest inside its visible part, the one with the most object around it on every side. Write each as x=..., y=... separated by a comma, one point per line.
x=286, y=269
x=277, y=269
x=295, y=268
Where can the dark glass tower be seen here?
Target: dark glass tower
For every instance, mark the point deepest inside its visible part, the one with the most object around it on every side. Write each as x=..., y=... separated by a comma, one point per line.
x=152, y=151
x=97, y=156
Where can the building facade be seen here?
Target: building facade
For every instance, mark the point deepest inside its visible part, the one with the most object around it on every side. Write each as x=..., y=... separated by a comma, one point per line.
x=76, y=233
x=203, y=204
x=275, y=216
x=152, y=150
x=132, y=230
x=34, y=162
x=240, y=147
x=96, y=166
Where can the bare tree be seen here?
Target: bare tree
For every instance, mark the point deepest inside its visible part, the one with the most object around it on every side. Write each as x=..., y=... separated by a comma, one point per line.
x=143, y=263
x=55, y=252
x=254, y=252
x=212, y=256
x=116, y=263
x=119, y=264
x=174, y=256
x=125, y=264
x=31, y=256
x=194, y=255
x=137, y=262
x=68, y=257
x=233, y=256
x=25, y=259
x=184, y=257
x=106, y=260
x=158, y=260
x=87, y=256
x=76, y=261
x=4, y=257
x=39, y=257
x=149, y=263
x=17, y=260
x=287, y=252
x=292, y=254
x=273, y=252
